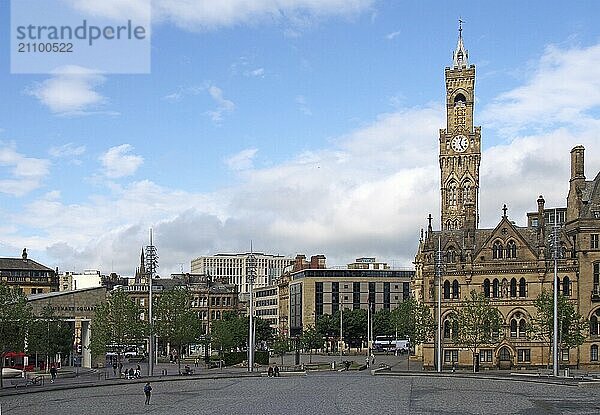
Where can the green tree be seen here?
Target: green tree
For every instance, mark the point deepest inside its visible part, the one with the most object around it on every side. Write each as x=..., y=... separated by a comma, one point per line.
x=15, y=318
x=413, y=320
x=478, y=323
x=328, y=326
x=355, y=326
x=281, y=346
x=382, y=323
x=49, y=335
x=176, y=322
x=116, y=322
x=571, y=325
x=264, y=331
x=311, y=339
x=230, y=332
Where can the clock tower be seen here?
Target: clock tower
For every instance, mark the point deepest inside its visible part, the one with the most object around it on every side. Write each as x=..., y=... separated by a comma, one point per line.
x=460, y=145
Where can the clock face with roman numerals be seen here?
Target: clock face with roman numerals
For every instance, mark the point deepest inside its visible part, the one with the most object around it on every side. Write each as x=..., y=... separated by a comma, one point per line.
x=460, y=143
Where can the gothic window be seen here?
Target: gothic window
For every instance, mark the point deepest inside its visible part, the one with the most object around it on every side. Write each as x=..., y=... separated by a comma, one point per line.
x=511, y=249
x=497, y=250
x=594, y=353
x=522, y=287
x=513, y=287
x=566, y=287
x=455, y=290
x=451, y=255
x=486, y=287
x=450, y=327
x=596, y=288
x=446, y=290
x=496, y=288
x=594, y=320
x=518, y=326
x=452, y=193
x=460, y=99
x=466, y=191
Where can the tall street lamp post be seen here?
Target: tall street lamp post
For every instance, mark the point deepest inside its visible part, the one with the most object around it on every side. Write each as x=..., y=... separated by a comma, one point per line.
x=250, y=275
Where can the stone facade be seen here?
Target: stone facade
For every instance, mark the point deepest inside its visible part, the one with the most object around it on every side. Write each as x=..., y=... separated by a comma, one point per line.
x=510, y=264
x=27, y=275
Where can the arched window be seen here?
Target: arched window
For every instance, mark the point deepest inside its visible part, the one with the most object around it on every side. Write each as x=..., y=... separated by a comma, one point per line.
x=486, y=287
x=522, y=287
x=459, y=99
x=513, y=287
x=504, y=288
x=594, y=353
x=450, y=327
x=466, y=191
x=566, y=287
x=497, y=250
x=452, y=193
x=496, y=288
x=594, y=327
x=446, y=290
x=518, y=325
x=451, y=255
x=455, y=290
x=511, y=249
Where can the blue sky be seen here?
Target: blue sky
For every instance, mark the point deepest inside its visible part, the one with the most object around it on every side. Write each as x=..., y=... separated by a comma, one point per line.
x=308, y=126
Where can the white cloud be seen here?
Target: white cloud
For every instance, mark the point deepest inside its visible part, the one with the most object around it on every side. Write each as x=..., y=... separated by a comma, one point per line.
x=117, y=161
x=223, y=105
x=27, y=173
x=563, y=88
x=242, y=160
x=70, y=92
x=393, y=35
x=68, y=151
x=197, y=15
x=302, y=105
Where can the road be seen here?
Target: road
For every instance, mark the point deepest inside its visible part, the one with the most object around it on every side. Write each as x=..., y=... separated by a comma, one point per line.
x=329, y=393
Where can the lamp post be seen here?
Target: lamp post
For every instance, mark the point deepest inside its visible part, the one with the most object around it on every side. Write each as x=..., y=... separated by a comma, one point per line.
x=151, y=265
x=250, y=275
x=341, y=329
x=555, y=247
x=438, y=277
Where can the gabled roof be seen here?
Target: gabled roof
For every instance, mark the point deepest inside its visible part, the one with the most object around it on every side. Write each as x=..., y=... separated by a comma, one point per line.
x=525, y=236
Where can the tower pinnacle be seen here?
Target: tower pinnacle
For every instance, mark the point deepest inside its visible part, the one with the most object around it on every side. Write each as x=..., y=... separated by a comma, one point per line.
x=461, y=55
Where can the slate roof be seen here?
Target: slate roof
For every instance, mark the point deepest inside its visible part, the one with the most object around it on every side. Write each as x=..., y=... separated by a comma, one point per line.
x=7, y=264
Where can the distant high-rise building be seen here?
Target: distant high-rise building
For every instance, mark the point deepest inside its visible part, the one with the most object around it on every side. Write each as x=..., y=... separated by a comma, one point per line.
x=233, y=268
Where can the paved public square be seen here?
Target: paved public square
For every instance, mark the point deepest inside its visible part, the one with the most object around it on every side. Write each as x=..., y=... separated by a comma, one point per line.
x=317, y=393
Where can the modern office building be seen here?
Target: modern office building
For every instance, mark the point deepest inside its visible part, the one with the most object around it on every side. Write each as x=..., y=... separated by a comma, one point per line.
x=234, y=268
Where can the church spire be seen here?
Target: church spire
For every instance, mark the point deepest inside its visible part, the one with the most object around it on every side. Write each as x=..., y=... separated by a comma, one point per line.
x=461, y=55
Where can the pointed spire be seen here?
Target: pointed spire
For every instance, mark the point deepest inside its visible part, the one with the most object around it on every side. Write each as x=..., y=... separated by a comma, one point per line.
x=461, y=55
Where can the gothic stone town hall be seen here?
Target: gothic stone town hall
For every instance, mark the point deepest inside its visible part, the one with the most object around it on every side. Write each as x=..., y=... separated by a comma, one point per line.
x=510, y=264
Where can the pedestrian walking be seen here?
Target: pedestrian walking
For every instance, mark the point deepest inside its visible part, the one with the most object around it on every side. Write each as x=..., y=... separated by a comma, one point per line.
x=147, y=392
x=276, y=370
x=120, y=368
x=114, y=368
x=270, y=371
x=53, y=373
x=196, y=361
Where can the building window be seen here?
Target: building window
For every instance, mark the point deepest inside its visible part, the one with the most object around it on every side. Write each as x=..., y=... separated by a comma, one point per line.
x=386, y=295
x=486, y=355
x=319, y=298
x=450, y=356
x=497, y=250
x=518, y=325
x=522, y=287
x=511, y=249
x=455, y=290
x=446, y=290
x=594, y=241
x=594, y=353
x=513, y=287
x=596, y=289
x=450, y=328
x=564, y=355
x=405, y=290
x=486, y=287
x=566, y=287
x=356, y=295
x=451, y=255
x=594, y=323
x=496, y=288
x=523, y=355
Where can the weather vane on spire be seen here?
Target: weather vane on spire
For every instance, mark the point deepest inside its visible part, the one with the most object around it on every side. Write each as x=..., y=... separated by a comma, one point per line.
x=460, y=22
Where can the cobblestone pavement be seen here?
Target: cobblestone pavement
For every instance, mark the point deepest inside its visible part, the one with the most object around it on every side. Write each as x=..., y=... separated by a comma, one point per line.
x=317, y=393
